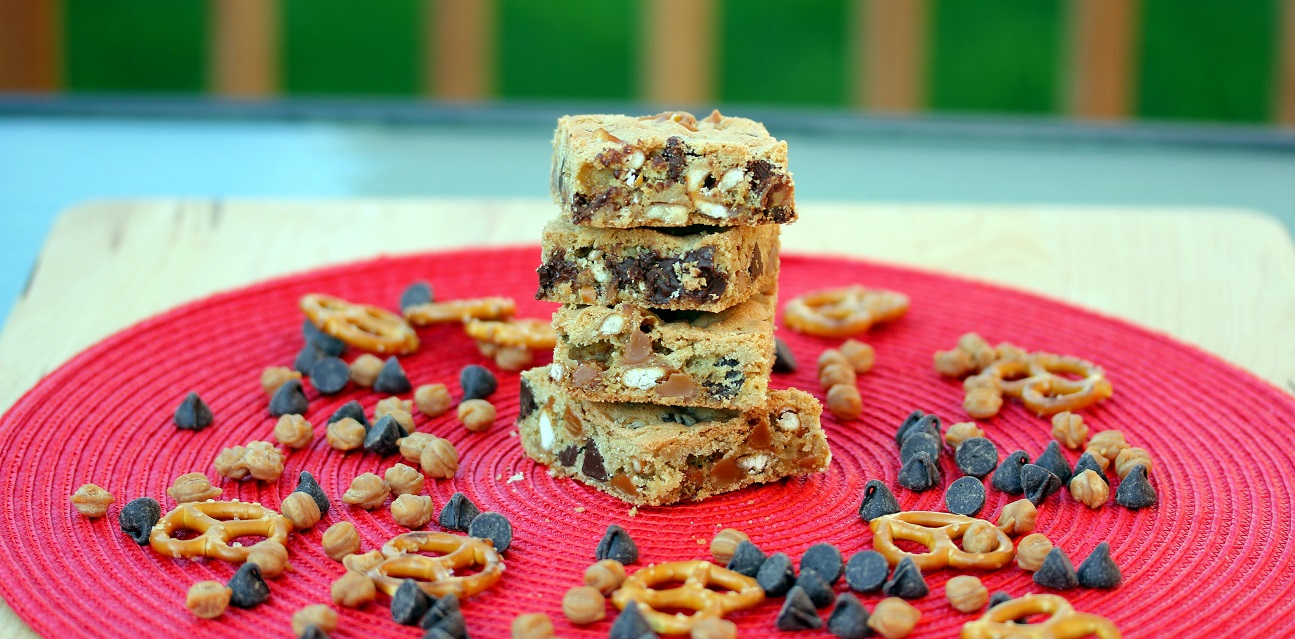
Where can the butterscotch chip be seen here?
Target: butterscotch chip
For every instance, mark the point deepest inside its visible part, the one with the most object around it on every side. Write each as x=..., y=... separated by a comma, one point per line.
x=275, y=376
x=411, y=446
x=982, y=402
x=340, y=540
x=1129, y=458
x=1108, y=443
x=345, y=434
x=263, y=461
x=368, y=491
x=365, y=369
x=1069, y=429
x=353, y=590
x=1018, y=517
x=713, y=628
x=844, y=401
x=91, y=500
x=836, y=373
x=534, y=625
x=301, y=509
x=513, y=358
x=404, y=480
x=954, y=363
x=980, y=537
x=208, y=599
x=385, y=406
x=412, y=511
x=861, y=356
x=1032, y=550
x=294, y=431
x=606, y=575
x=966, y=593
x=271, y=556
x=404, y=418
x=724, y=544
x=584, y=605
x=894, y=618
x=439, y=459
x=191, y=487
x=229, y=463
x=1089, y=489
x=317, y=615
x=832, y=356
x=961, y=432
x=433, y=400
x=477, y=415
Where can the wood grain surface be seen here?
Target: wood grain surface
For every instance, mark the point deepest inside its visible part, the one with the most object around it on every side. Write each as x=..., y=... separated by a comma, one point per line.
x=1221, y=279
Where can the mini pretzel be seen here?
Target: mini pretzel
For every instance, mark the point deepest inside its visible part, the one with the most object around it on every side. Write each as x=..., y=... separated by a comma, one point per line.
x=526, y=333
x=1037, y=380
x=484, y=308
x=743, y=593
x=936, y=531
x=435, y=575
x=838, y=312
x=217, y=523
x=1064, y=622
x=365, y=327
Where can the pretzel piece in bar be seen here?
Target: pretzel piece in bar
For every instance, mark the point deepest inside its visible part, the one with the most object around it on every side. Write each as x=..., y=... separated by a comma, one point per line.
x=363, y=326
x=435, y=575
x=840, y=312
x=1063, y=623
x=217, y=523
x=936, y=531
x=694, y=594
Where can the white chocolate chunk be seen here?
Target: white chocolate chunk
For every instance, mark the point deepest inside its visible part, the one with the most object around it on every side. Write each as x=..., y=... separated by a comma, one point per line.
x=642, y=378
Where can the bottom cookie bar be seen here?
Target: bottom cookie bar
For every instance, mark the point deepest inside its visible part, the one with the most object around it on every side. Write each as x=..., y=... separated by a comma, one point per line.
x=653, y=455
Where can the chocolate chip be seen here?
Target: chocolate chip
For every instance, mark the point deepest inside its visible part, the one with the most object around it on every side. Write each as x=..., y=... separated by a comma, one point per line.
x=920, y=474
x=382, y=438
x=918, y=422
x=1055, y=462
x=492, y=526
x=866, y=571
x=814, y=585
x=330, y=375
x=306, y=484
x=1135, y=491
x=976, y=456
x=567, y=456
x=477, y=382
x=906, y=582
x=965, y=496
x=776, y=576
x=331, y=346
x=419, y=292
x=759, y=171
x=313, y=632
x=1038, y=483
x=556, y=270
x=290, y=399
x=784, y=361
x=798, y=612
x=747, y=559
x=138, y=517
x=248, y=586
x=673, y=156
x=919, y=442
x=1088, y=462
x=526, y=400
x=630, y=624
x=193, y=413
x=877, y=501
x=617, y=544
x=1007, y=478
x=999, y=597
x=443, y=607
x=392, y=379
x=1056, y=572
x=451, y=626
x=823, y=559
x=849, y=619
x=1099, y=570
x=592, y=466
x=409, y=604
x=351, y=409
x=307, y=357
x=458, y=513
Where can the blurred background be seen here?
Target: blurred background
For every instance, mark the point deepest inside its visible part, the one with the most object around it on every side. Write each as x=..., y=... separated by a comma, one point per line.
x=1159, y=102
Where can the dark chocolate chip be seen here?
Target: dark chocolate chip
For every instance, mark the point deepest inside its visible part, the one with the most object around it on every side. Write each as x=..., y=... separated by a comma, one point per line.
x=526, y=400
x=306, y=484
x=919, y=422
x=784, y=361
x=1099, y=570
x=776, y=576
x=1088, y=462
x=419, y=292
x=567, y=456
x=823, y=559
x=313, y=632
x=331, y=346
x=443, y=607
x=330, y=375
x=556, y=270
x=849, y=619
x=409, y=604
x=814, y=585
x=906, y=582
x=877, y=501
x=138, y=517
x=760, y=171
x=866, y=571
x=1038, y=483
x=1135, y=491
x=919, y=442
x=193, y=413
x=248, y=586
x=1007, y=478
x=630, y=624
x=477, y=382
x=965, y=496
x=351, y=409
x=492, y=526
x=458, y=513
x=798, y=612
x=1055, y=462
x=290, y=399
x=977, y=457
x=919, y=474
x=592, y=466
x=452, y=625
x=382, y=438
x=307, y=357
x=999, y=597
x=392, y=379
x=673, y=156
x=617, y=544
x=436, y=632
x=747, y=559
x=1056, y=572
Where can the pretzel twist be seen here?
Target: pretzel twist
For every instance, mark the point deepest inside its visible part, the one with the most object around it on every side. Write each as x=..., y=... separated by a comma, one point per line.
x=936, y=531
x=839, y=312
x=1064, y=623
x=435, y=575
x=484, y=308
x=1039, y=381
x=693, y=594
x=363, y=326
x=217, y=524
x=527, y=333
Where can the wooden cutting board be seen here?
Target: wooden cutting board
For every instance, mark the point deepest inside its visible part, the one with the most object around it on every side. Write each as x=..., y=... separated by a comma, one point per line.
x=1221, y=279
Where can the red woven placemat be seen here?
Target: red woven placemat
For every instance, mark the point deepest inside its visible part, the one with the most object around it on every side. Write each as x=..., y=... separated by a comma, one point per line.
x=1214, y=555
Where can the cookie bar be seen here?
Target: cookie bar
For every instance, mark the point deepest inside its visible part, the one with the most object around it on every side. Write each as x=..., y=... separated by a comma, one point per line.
x=678, y=358
x=670, y=170
x=707, y=268
x=653, y=455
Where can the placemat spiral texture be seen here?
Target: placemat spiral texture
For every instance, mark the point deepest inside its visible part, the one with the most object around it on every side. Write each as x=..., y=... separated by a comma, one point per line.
x=1215, y=554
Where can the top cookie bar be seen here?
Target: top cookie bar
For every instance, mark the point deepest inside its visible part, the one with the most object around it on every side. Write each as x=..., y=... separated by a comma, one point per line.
x=670, y=170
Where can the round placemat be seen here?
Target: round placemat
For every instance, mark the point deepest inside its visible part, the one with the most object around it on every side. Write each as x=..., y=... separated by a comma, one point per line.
x=1214, y=554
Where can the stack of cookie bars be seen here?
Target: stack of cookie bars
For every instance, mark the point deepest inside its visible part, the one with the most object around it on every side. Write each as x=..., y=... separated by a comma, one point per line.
x=665, y=259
